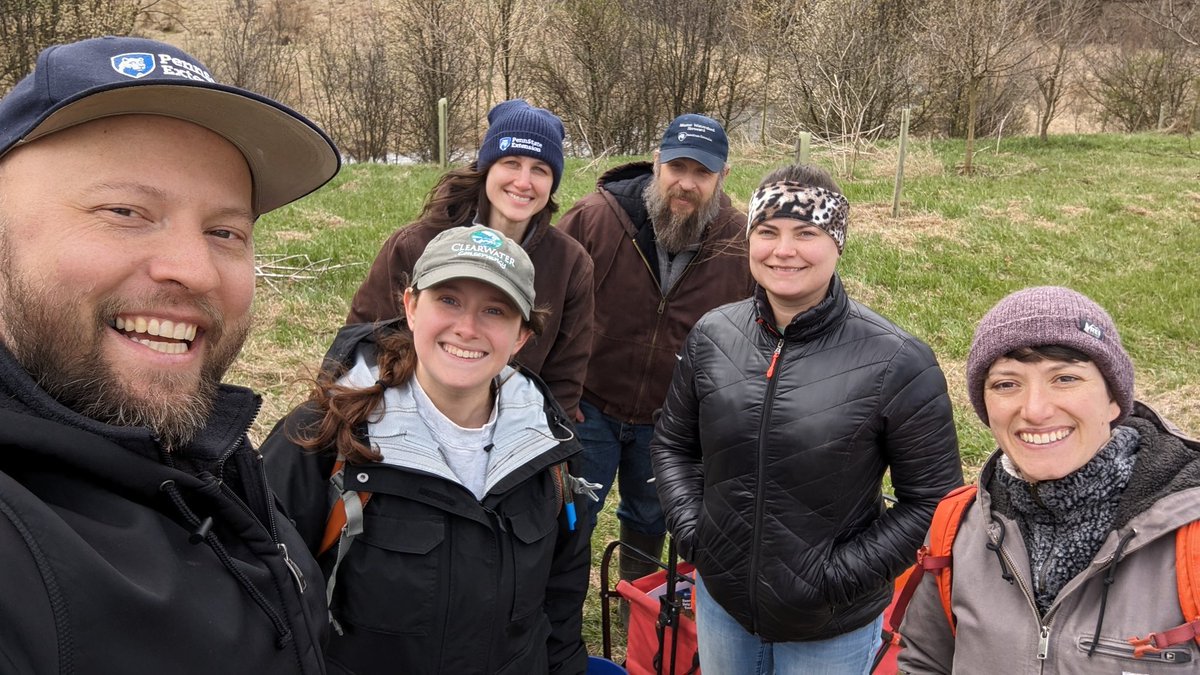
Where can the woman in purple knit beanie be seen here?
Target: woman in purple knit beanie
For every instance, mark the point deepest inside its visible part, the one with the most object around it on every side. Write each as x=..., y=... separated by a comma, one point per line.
x=1067, y=554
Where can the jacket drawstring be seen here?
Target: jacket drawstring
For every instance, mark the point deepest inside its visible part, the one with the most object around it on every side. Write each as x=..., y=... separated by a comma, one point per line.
x=1109, y=577
x=994, y=546
x=203, y=532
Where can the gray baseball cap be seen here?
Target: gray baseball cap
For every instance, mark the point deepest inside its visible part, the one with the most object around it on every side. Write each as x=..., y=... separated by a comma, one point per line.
x=479, y=253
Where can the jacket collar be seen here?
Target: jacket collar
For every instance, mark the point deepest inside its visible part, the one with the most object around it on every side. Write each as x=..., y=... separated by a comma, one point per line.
x=810, y=323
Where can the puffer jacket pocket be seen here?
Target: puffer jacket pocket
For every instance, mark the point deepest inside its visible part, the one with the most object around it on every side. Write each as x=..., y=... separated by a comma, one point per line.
x=389, y=581
x=534, y=531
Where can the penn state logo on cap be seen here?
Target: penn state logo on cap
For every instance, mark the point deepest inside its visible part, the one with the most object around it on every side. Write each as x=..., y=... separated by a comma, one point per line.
x=134, y=64
x=505, y=143
x=487, y=238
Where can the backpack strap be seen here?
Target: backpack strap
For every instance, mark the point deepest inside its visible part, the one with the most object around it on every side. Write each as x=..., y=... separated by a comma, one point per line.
x=942, y=532
x=344, y=524
x=1187, y=581
x=936, y=557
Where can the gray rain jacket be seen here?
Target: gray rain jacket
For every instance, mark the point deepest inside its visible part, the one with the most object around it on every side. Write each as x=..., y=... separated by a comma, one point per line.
x=999, y=629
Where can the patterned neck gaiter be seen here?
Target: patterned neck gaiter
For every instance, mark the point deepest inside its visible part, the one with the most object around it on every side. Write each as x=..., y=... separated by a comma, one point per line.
x=1064, y=521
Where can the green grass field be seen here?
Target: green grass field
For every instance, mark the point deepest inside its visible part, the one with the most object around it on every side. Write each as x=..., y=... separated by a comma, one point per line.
x=1115, y=217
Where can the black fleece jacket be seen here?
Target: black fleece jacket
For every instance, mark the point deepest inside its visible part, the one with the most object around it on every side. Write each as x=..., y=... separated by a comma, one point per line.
x=105, y=566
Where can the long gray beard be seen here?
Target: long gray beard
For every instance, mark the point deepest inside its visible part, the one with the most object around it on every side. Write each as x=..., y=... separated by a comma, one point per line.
x=676, y=233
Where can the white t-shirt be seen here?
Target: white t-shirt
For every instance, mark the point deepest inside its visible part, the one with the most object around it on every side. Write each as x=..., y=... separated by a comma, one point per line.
x=464, y=449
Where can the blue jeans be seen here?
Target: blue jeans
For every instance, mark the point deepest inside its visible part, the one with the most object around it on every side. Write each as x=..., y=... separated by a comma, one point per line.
x=727, y=649
x=611, y=447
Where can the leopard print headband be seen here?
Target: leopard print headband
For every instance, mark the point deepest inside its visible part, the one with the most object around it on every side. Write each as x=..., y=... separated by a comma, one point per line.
x=826, y=209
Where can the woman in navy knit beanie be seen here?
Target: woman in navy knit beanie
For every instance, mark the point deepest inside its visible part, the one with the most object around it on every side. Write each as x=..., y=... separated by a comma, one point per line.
x=510, y=189
x=1065, y=561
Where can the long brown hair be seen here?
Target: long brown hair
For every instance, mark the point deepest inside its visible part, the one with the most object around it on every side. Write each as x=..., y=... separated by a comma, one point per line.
x=459, y=193
x=345, y=409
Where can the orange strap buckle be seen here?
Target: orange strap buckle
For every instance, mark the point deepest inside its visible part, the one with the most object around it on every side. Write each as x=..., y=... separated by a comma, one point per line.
x=1143, y=646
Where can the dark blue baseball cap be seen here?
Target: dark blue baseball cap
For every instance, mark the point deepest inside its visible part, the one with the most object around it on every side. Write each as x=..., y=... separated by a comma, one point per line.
x=695, y=137
x=288, y=155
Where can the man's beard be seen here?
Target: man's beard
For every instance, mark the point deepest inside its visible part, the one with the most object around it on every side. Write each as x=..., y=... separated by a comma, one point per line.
x=67, y=360
x=674, y=232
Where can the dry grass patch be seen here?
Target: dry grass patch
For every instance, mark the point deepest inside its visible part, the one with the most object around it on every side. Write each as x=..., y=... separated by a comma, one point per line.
x=919, y=162
x=907, y=230
x=1074, y=211
x=291, y=235
x=1181, y=405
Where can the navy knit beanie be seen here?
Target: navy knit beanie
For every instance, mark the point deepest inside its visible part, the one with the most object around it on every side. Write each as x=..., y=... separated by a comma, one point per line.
x=517, y=128
x=1050, y=315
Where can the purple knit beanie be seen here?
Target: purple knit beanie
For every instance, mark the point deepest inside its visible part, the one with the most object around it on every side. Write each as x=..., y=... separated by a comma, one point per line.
x=1050, y=315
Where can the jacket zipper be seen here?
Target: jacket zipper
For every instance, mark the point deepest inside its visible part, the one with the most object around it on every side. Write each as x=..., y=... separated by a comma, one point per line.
x=662, y=307
x=760, y=472
x=1044, y=623
x=272, y=529
x=297, y=575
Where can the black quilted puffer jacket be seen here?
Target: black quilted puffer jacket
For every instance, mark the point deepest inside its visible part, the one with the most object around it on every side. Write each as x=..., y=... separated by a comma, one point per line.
x=770, y=453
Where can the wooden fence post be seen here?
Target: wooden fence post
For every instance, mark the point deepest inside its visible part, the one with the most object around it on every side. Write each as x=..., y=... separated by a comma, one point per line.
x=802, y=147
x=443, y=159
x=905, y=115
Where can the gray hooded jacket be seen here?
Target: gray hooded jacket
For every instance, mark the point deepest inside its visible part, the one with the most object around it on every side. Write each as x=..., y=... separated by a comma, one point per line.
x=998, y=626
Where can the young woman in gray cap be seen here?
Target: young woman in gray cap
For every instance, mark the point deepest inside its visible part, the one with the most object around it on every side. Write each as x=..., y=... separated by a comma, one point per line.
x=1065, y=561
x=510, y=188
x=784, y=413
x=467, y=557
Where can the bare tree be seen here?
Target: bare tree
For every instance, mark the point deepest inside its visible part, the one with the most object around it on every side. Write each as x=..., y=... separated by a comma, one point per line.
x=504, y=33
x=978, y=41
x=253, y=45
x=359, y=85
x=1062, y=29
x=845, y=69
x=435, y=51
x=29, y=26
x=589, y=76
x=1146, y=72
x=690, y=52
x=1179, y=17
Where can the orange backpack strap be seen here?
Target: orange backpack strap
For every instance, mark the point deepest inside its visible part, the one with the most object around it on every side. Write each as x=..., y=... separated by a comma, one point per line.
x=936, y=557
x=1187, y=571
x=345, y=516
x=345, y=522
x=1187, y=581
x=942, y=532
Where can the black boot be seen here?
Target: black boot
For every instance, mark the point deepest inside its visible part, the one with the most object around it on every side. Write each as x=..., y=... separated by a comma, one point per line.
x=632, y=566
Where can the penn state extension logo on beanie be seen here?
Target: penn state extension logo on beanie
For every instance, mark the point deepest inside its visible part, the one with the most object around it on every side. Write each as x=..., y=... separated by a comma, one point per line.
x=517, y=128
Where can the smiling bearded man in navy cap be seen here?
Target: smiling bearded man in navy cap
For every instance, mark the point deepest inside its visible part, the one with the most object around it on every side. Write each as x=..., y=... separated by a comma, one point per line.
x=137, y=533
x=667, y=246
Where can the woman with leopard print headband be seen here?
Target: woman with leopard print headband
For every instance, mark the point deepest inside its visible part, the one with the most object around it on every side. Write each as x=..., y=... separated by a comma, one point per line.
x=784, y=413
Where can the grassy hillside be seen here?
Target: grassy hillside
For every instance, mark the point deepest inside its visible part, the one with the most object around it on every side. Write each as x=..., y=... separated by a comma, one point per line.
x=1112, y=216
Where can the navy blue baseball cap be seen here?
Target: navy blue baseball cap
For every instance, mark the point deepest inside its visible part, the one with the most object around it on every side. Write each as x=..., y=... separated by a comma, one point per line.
x=695, y=137
x=288, y=155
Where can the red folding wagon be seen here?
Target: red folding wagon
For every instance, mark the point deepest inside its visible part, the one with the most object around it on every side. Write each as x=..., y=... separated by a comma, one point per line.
x=661, y=633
